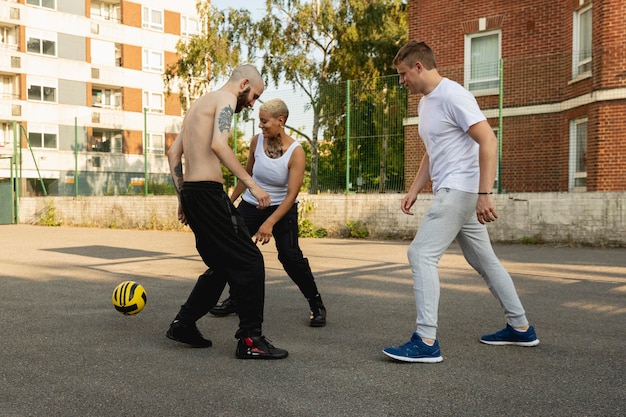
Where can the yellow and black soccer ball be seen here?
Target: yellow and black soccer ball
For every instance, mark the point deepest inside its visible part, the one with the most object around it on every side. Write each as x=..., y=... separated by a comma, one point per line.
x=129, y=298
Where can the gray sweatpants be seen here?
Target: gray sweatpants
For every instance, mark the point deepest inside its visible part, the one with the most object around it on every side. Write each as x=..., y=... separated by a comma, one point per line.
x=452, y=215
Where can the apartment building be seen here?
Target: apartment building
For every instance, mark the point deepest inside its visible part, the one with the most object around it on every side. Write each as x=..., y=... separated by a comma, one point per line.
x=560, y=111
x=83, y=108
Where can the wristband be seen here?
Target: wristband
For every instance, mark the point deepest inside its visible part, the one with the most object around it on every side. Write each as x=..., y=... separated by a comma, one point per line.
x=490, y=192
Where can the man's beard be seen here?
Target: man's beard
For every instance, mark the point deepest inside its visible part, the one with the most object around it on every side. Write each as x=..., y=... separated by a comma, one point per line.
x=242, y=98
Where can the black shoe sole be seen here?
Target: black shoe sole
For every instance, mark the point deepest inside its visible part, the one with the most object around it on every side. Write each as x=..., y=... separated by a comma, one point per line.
x=221, y=313
x=195, y=345
x=261, y=356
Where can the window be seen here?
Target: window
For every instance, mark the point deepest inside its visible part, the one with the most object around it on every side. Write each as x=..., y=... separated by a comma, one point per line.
x=8, y=86
x=8, y=37
x=189, y=26
x=105, y=11
x=152, y=19
x=43, y=136
x=581, y=59
x=152, y=60
x=6, y=134
x=107, y=141
x=156, y=143
x=153, y=102
x=118, y=55
x=107, y=98
x=49, y=4
x=40, y=42
x=578, y=154
x=482, y=62
x=42, y=89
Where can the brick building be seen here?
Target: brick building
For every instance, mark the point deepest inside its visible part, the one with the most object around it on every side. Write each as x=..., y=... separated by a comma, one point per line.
x=561, y=116
x=83, y=82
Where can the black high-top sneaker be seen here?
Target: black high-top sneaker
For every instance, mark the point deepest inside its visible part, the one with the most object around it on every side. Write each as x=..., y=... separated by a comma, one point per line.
x=258, y=347
x=187, y=333
x=223, y=309
x=317, y=316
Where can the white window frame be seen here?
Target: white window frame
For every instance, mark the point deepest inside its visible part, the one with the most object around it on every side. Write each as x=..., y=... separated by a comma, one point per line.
x=151, y=55
x=147, y=18
x=189, y=26
x=43, y=83
x=8, y=37
x=153, y=102
x=494, y=79
x=114, y=136
x=578, y=127
x=43, y=130
x=581, y=48
x=6, y=134
x=156, y=143
x=8, y=86
x=46, y=4
x=110, y=98
x=101, y=10
x=41, y=36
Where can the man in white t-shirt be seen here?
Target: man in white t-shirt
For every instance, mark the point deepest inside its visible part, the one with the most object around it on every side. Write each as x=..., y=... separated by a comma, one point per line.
x=460, y=160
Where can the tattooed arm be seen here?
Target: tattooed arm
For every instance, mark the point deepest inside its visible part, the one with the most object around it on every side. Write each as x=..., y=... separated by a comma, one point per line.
x=220, y=147
x=175, y=161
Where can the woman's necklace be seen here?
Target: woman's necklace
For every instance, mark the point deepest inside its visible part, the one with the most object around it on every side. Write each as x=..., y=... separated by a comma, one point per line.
x=274, y=147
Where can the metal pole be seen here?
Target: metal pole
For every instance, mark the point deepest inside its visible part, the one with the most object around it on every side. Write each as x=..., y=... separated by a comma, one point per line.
x=145, y=151
x=347, y=136
x=500, y=124
x=75, y=156
x=16, y=184
x=32, y=154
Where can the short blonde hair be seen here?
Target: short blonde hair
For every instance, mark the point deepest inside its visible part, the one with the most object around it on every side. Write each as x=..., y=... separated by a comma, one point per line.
x=276, y=107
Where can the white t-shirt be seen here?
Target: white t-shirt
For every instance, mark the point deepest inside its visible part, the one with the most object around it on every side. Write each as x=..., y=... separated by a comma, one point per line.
x=445, y=116
x=271, y=174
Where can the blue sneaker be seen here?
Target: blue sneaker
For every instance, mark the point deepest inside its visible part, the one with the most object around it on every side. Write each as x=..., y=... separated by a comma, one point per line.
x=510, y=336
x=415, y=351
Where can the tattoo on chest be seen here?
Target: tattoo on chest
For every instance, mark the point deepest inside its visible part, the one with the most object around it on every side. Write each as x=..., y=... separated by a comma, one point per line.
x=225, y=118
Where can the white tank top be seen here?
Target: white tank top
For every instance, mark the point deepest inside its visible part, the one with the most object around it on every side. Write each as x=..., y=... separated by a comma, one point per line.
x=271, y=174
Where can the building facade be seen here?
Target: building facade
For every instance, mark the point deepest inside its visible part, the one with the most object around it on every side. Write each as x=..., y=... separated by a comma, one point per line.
x=549, y=75
x=83, y=107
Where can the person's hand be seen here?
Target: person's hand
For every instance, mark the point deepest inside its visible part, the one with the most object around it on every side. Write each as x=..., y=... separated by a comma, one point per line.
x=264, y=234
x=261, y=196
x=485, y=209
x=181, y=215
x=407, y=203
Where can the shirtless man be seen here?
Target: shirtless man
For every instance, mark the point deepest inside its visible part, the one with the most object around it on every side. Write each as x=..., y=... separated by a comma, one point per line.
x=222, y=238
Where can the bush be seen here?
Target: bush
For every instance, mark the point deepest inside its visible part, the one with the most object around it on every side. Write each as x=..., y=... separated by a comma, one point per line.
x=357, y=229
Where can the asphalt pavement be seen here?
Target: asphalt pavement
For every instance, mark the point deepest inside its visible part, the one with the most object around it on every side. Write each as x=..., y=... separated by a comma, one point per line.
x=65, y=351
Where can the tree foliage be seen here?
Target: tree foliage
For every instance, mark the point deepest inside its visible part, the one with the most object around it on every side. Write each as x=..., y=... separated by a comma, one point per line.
x=311, y=45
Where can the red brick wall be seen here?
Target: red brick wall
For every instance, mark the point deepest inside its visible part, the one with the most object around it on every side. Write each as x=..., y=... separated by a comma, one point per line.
x=537, y=51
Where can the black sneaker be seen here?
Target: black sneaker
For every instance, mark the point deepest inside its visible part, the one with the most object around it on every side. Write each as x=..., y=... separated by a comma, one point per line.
x=317, y=315
x=187, y=333
x=258, y=348
x=223, y=309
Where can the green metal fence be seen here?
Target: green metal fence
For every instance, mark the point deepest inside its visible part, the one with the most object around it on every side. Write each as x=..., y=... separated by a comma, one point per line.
x=353, y=135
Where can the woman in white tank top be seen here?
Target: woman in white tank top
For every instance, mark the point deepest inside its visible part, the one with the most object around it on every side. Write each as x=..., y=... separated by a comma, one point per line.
x=276, y=162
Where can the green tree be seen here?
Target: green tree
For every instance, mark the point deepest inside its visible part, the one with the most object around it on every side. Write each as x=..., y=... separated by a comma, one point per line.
x=310, y=45
x=328, y=41
x=209, y=55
